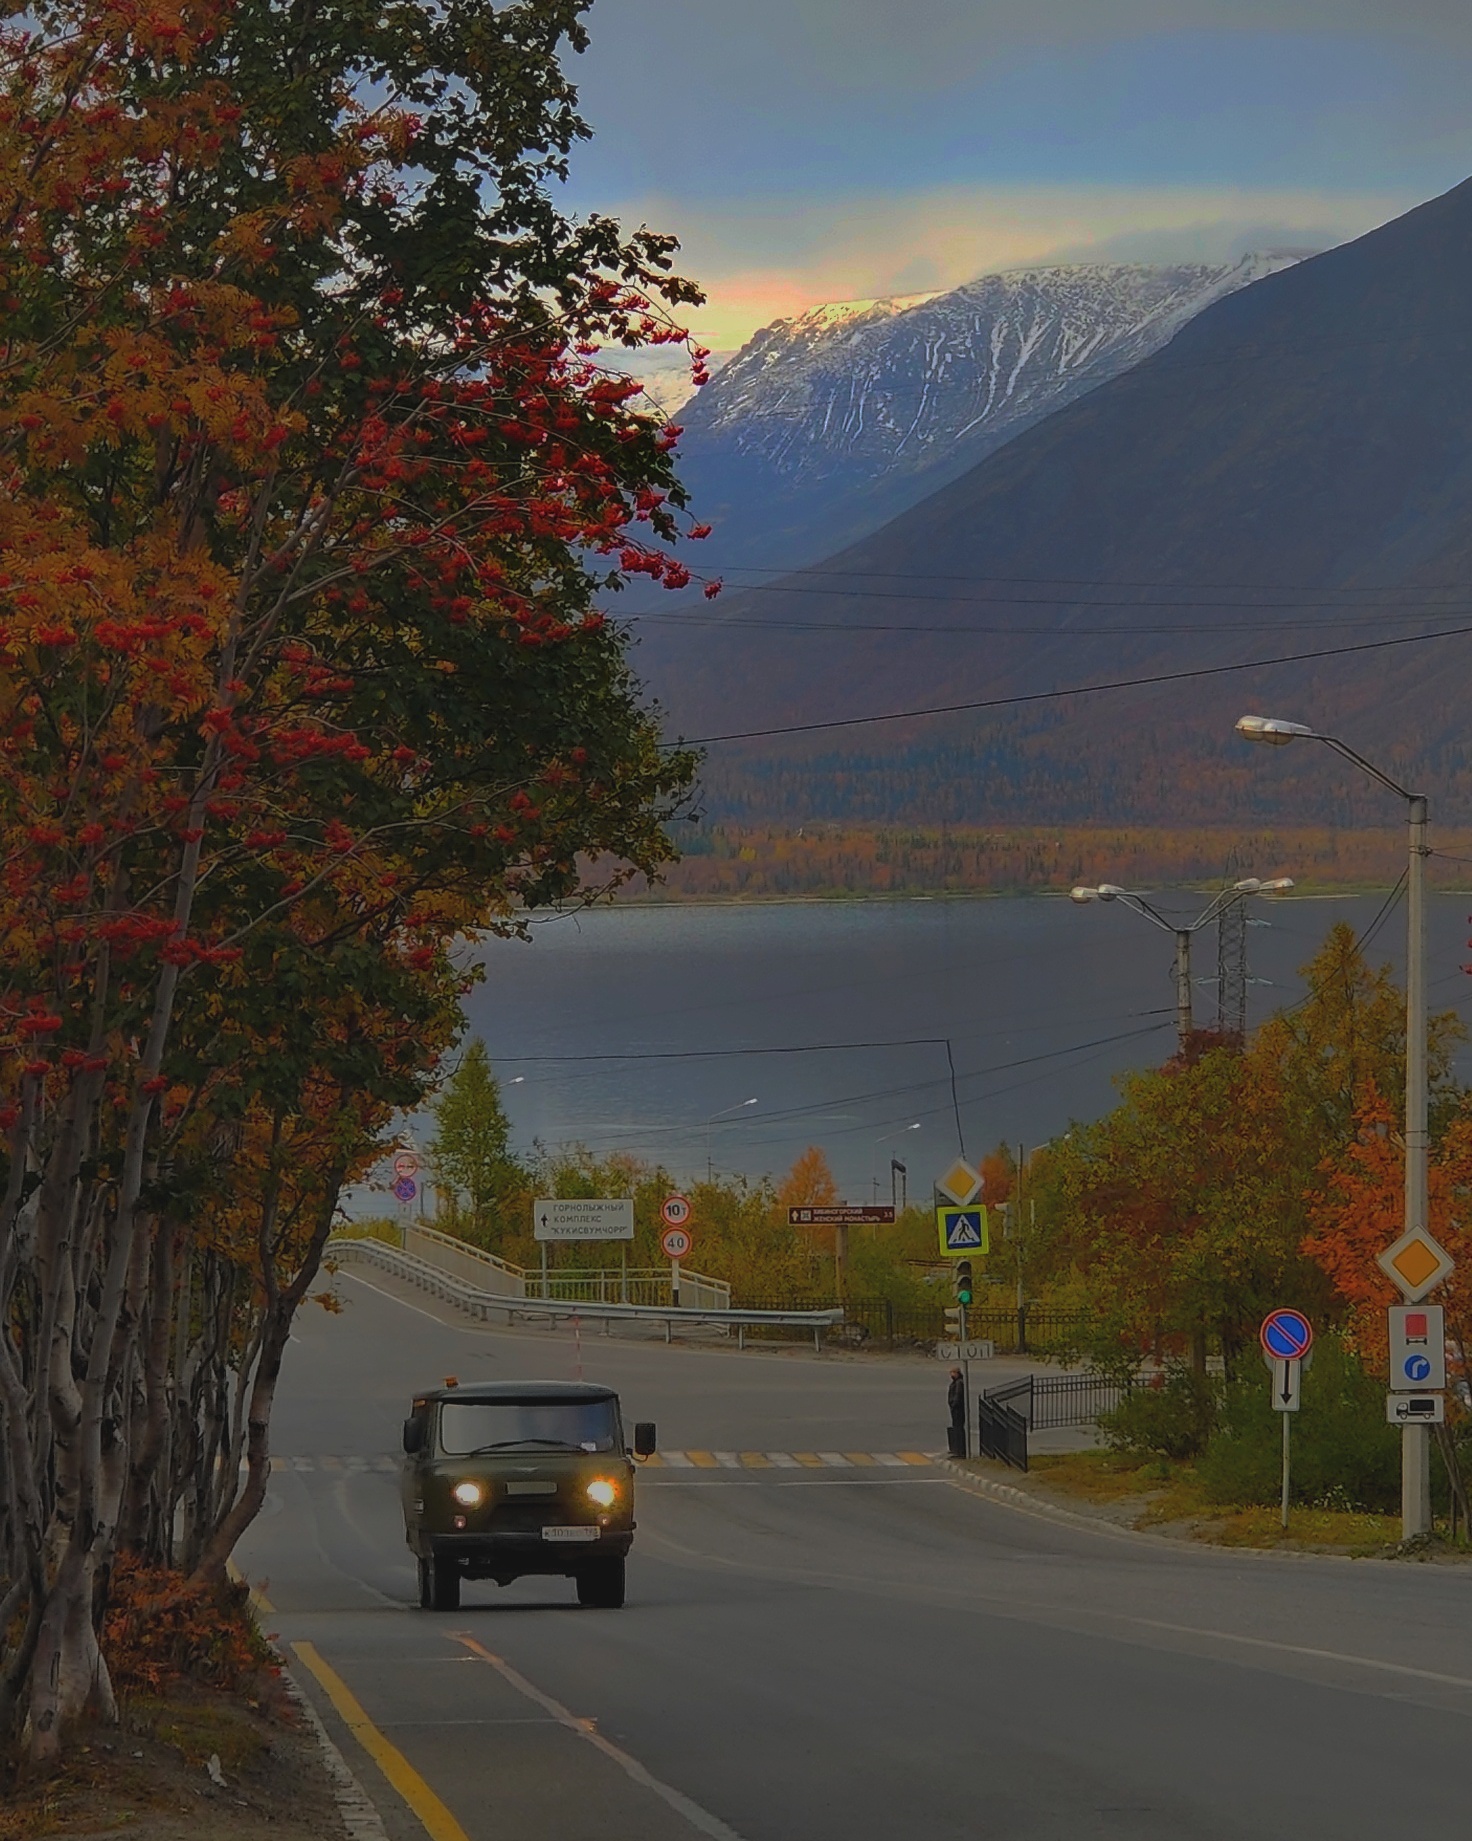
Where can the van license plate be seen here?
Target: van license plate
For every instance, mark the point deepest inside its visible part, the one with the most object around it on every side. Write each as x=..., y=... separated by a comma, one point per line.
x=570, y=1534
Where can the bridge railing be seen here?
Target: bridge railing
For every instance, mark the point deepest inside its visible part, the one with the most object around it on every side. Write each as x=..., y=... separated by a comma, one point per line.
x=482, y=1303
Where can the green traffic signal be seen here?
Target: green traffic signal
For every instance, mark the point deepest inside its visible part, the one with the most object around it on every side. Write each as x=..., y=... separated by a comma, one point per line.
x=963, y=1282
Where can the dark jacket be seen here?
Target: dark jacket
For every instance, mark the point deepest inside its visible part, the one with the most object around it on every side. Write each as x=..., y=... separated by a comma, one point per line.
x=956, y=1400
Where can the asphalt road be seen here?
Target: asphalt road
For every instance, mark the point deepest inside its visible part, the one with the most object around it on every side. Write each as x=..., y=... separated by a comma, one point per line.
x=843, y=1654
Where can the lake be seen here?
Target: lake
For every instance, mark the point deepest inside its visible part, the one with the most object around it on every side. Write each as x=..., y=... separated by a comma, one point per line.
x=644, y=1029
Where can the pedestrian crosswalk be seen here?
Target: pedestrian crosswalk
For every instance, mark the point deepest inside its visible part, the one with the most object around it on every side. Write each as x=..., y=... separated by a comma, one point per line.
x=664, y=1460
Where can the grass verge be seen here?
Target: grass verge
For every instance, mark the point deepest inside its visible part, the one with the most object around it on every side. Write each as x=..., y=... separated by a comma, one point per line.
x=1152, y=1493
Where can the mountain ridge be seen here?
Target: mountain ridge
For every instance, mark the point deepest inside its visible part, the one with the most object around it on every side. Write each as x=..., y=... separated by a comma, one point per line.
x=1304, y=441
x=825, y=425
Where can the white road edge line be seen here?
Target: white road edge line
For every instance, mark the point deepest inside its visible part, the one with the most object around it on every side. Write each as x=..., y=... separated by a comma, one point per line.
x=699, y=1819
x=357, y=1279
x=1296, y=1649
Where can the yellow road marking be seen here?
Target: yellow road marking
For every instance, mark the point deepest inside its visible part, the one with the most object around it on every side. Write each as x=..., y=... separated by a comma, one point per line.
x=435, y=1818
x=811, y=1459
x=858, y=1457
x=756, y=1460
x=654, y=1460
x=705, y=1459
x=913, y=1457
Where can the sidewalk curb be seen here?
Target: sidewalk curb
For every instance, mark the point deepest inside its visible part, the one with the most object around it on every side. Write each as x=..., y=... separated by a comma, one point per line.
x=360, y=1818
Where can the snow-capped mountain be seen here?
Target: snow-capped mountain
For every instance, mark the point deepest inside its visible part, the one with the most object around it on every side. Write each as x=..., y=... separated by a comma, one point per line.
x=824, y=426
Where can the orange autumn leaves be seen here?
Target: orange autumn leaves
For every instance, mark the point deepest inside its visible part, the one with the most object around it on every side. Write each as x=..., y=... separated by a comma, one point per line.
x=1361, y=1210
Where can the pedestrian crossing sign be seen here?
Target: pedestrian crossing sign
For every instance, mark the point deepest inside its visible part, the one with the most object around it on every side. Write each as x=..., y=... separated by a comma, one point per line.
x=962, y=1231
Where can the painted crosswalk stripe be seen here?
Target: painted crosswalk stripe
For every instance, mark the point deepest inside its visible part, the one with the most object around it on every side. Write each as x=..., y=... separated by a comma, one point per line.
x=303, y=1463
x=810, y=1458
x=783, y=1458
x=727, y=1460
x=834, y=1458
x=678, y=1460
x=756, y=1460
x=860, y=1457
x=704, y=1460
x=915, y=1457
x=891, y=1458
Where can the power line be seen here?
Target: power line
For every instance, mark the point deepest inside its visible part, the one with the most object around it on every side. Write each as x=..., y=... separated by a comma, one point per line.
x=1092, y=581
x=1072, y=690
x=700, y=614
x=719, y=623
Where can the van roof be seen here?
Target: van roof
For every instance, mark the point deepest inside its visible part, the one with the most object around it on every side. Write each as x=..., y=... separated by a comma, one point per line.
x=520, y=1392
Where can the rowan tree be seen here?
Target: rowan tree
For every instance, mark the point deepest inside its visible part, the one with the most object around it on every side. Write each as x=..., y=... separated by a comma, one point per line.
x=309, y=481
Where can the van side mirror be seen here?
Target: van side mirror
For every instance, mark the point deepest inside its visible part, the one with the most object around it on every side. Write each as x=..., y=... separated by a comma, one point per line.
x=413, y=1434
x=644, y=1440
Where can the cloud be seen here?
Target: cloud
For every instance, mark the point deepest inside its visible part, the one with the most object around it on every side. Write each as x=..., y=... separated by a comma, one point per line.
x=764, y=260
x=768, y=45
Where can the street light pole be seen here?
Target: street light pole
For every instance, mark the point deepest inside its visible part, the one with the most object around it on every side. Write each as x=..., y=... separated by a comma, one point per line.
x=710, y=1168
x=1415, y=1469
x=1239, y=891
x=887, y=1138
x=1185, y=1019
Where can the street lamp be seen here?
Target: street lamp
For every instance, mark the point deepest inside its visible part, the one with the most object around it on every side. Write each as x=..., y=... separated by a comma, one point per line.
x=874, y=1157
x=1239, y=891
x=1415, y=1473
x=710, y=1171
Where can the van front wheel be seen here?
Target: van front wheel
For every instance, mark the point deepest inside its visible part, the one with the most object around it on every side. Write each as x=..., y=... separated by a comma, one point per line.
x=601, y=1585
x=439, y=1585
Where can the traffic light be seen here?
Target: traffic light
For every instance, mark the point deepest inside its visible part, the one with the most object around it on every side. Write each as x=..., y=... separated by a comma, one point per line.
x=963, y=1282
x=953, y=1321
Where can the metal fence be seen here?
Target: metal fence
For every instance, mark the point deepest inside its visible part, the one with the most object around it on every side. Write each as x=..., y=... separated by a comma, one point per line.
x=1032, y=1330
x=1001, y=1431
x=1041, y=1403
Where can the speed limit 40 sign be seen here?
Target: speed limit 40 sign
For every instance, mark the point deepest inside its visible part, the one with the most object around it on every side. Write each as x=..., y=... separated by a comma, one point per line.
x=677, y=1242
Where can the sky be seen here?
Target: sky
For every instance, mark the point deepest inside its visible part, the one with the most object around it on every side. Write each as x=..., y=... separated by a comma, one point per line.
x=817, y=150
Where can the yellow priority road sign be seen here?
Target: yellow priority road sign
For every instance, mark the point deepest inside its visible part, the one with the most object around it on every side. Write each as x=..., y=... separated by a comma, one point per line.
x=1416, y=1263
x=962, y=1231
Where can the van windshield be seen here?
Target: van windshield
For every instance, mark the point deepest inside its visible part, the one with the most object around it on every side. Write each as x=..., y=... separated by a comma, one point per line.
x=471, y=1426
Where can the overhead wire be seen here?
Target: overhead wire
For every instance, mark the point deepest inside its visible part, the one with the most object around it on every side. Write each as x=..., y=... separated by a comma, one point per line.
x=973, y=705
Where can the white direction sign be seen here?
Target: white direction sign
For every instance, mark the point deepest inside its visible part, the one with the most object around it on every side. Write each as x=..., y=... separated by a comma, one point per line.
x=1415, y=1409
x=1287, y=1386
x=1417, y=1348
x=581, y=1218
x=961, y=1184
x=965, y=1351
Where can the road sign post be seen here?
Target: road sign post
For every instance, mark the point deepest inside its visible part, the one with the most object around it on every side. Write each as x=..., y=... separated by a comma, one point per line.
x=676, y=1243
x=1286, y=1336
x=1417, y=1264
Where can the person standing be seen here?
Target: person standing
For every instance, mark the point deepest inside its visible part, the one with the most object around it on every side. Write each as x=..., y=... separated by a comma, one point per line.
x=956, y=1402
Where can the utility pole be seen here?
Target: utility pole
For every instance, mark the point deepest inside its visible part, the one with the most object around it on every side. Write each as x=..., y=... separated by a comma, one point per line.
x=1231, y=970
x=1232, y=897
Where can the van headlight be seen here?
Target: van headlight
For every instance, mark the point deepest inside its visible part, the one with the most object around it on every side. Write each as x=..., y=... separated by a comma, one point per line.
x=603, y=1491
x=468, y=1495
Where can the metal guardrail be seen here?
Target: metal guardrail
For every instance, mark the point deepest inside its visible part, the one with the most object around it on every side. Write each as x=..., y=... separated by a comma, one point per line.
x=595, y=1285
x=480, y=1303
